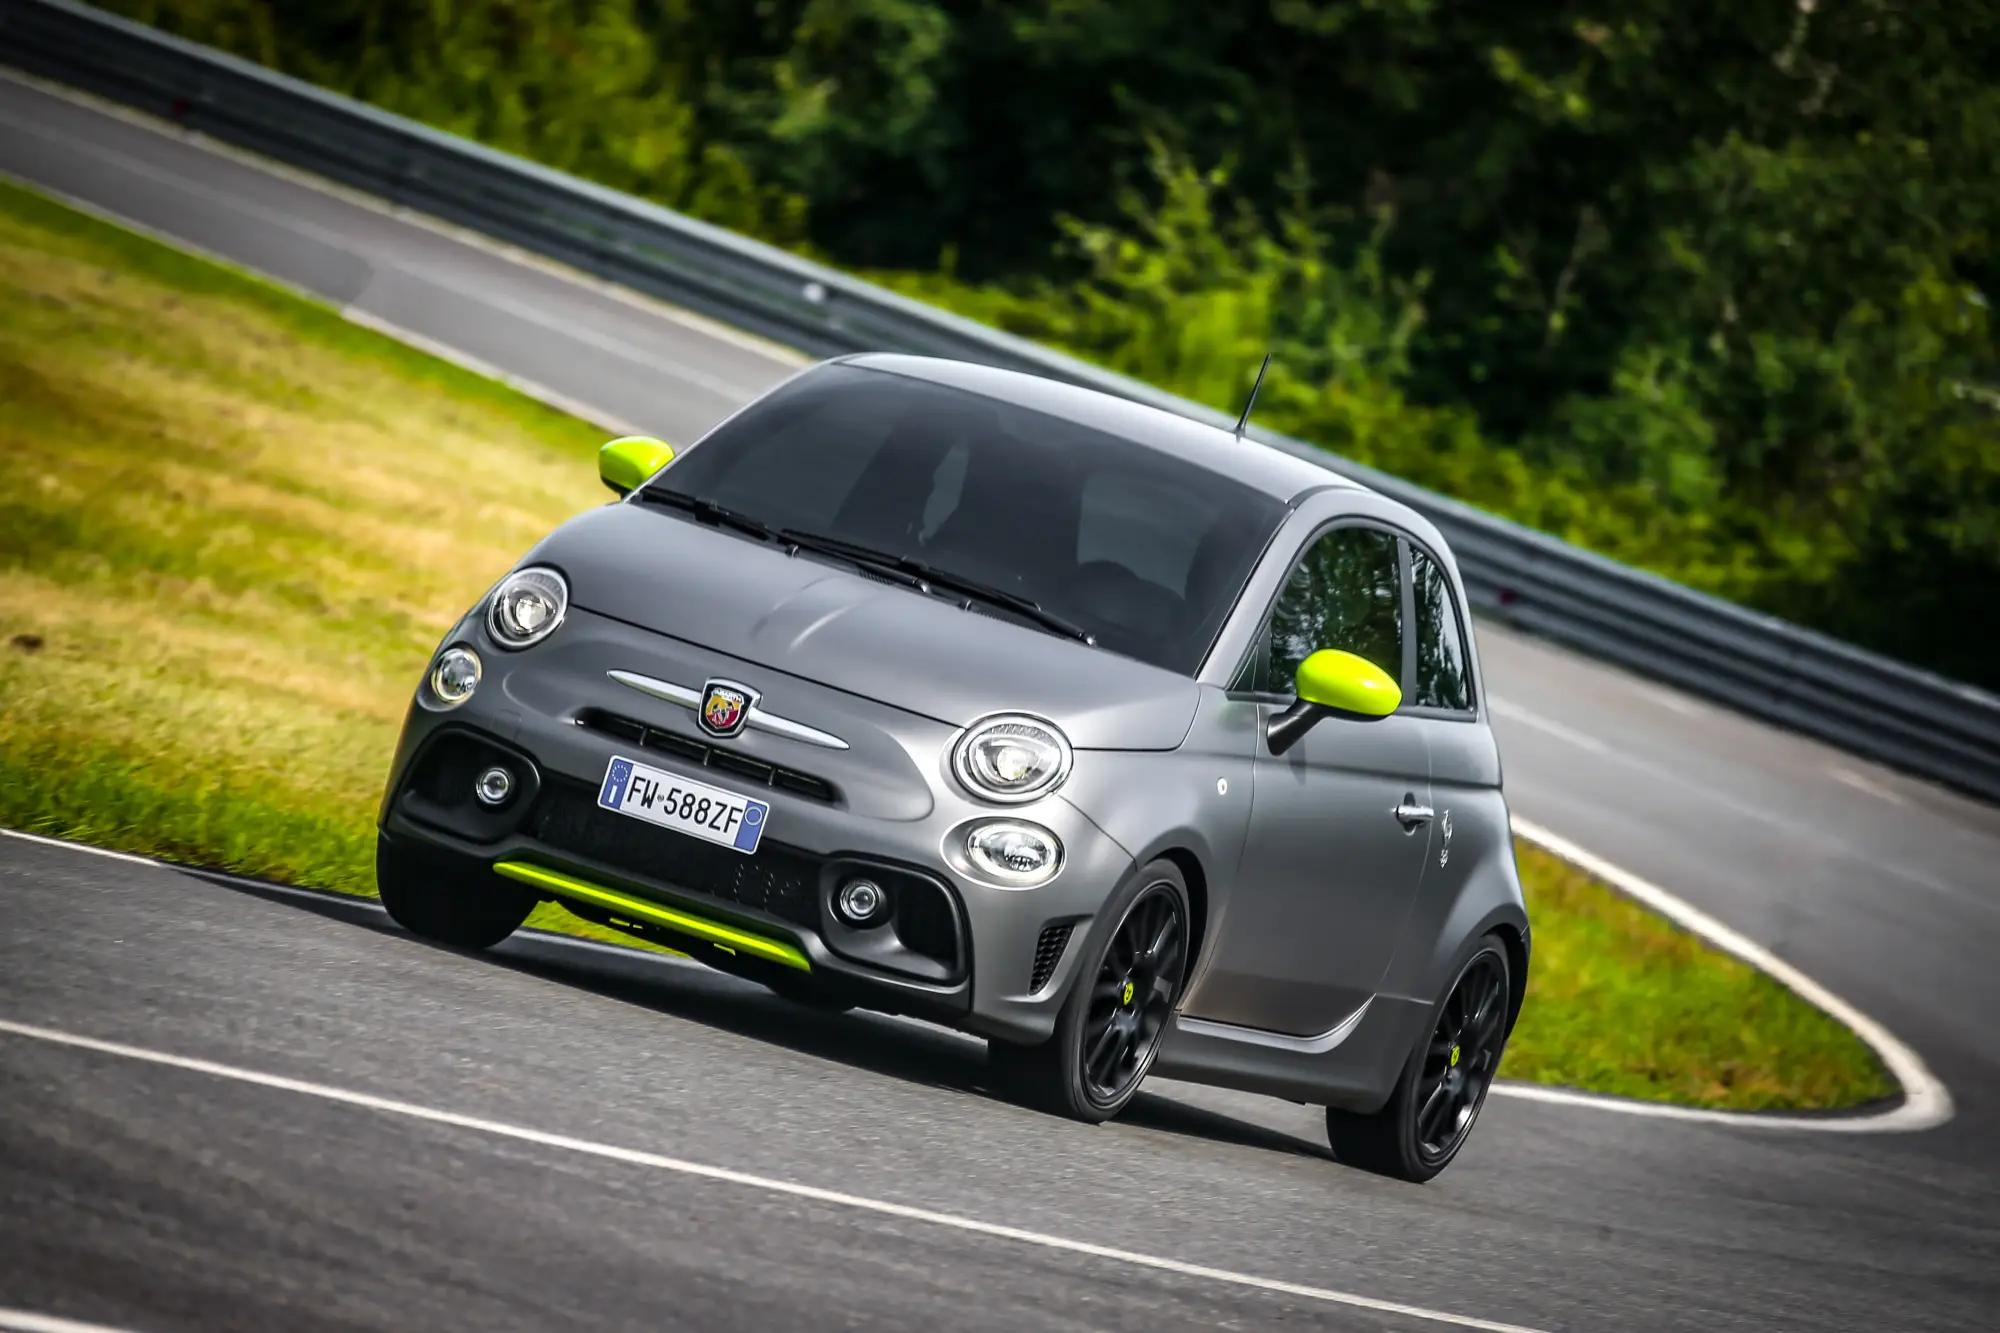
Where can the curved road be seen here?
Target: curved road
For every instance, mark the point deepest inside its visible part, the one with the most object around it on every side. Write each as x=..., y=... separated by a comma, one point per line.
x=156, y=1195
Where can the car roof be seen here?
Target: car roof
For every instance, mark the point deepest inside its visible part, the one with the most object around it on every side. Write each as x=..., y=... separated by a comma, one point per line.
x=1275, y=473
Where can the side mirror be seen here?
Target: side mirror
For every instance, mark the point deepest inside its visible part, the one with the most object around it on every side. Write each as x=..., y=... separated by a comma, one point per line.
x=1332, y=683
x=627, y=464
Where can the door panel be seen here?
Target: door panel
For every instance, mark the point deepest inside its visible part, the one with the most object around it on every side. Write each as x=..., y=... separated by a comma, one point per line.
x=1327, y=880
x=1329, y=874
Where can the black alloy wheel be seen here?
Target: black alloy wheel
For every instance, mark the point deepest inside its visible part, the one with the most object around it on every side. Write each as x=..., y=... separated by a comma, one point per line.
x=1461, y=1057
x=1132, y=996
x=1438, y=1097
x=1110, y=1027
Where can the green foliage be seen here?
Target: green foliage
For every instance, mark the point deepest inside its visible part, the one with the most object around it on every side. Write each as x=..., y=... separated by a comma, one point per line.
x=608, y=89
x=1706, y=290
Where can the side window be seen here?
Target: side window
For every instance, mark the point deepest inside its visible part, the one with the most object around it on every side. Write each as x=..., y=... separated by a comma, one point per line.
x=1346, y=592
x=1441, y=676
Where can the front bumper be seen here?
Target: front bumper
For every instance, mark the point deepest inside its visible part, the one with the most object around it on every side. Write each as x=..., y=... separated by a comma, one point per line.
x=985, y=958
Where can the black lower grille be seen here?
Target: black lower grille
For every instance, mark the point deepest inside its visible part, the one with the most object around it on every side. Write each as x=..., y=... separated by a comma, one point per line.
x=1048, y=952
x=721, y=758
x=924, y=920
x=777, y=880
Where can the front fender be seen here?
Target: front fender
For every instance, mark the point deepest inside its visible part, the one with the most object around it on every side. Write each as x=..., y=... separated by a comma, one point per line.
x=1192, y=804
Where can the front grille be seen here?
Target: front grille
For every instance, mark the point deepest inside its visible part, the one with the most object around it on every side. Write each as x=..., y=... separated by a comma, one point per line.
x=721, y=759
x=1048, y=952
x=777, y=880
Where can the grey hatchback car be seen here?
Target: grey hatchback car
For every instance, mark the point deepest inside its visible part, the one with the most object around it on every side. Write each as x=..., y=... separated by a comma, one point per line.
x=925, y=687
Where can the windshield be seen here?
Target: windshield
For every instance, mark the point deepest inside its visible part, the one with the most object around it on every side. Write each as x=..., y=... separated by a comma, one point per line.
x=1130, y=544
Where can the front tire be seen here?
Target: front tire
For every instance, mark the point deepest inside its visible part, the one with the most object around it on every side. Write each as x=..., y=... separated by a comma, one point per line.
x=1431, y=1113
x=447, y=900
x=1109, y=1029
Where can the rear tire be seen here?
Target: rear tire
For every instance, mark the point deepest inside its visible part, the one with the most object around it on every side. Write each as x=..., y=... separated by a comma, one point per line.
x=1443, y=1085
x=1109, y=1029
x=448, y=900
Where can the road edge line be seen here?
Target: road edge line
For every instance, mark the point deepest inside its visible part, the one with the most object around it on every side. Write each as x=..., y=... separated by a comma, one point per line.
x=1926, y=1102
x=745, y=1179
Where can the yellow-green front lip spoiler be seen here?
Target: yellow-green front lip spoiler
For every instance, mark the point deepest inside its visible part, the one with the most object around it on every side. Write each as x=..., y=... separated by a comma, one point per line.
x=656, y=914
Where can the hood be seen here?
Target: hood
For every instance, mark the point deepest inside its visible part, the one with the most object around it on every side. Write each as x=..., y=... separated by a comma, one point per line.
x=820, y=620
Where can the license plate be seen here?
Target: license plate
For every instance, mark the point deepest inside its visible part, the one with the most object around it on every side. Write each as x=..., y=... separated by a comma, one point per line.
x=671, y=801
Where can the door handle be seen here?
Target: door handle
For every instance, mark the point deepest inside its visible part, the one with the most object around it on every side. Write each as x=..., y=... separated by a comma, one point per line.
x=1409, y=814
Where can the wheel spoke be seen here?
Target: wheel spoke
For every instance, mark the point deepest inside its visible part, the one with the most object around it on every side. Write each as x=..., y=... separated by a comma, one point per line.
x=1108, y=1061
x=1491, y=1012
x=1105, y=1040
x=1432, y=1104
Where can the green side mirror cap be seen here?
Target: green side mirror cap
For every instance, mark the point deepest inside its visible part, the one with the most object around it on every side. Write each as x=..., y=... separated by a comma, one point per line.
x=1332, y=683
x=1348, y=685
x=627, y=464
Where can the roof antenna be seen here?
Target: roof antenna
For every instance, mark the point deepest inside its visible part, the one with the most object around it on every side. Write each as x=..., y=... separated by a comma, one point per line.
x=1243, y=422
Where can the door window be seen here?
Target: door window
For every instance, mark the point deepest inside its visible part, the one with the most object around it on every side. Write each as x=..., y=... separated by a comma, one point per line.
x=1345, y=593
x=1442, y=680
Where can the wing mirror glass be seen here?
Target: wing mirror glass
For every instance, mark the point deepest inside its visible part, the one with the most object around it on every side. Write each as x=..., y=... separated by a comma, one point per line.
x=627, y=464
x=1332, y=683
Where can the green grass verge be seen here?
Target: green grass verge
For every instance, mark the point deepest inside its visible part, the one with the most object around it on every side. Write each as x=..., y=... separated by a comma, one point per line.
x=232, y=525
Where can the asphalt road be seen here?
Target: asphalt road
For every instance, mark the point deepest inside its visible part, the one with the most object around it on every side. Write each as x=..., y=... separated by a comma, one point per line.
x=159, y=1197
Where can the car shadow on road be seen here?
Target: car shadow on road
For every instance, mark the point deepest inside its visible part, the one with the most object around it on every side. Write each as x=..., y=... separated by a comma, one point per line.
x=892, y=1047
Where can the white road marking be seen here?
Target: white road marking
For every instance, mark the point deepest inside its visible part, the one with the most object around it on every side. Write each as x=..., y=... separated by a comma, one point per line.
x=641, y=357
x=1513, y=712
x=1733, y=806
x=1926, y=1101
x=644, y=358
x=561, y=402
x=768, y=1184
x=83, y=847
x=777, y=353
x=1866, y=784
x=26, y=1321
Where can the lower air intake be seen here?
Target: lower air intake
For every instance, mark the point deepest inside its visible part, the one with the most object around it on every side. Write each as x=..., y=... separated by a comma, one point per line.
x=1048, y=952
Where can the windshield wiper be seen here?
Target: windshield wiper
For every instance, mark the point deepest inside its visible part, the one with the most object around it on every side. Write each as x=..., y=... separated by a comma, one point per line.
x=924, y=577
x=708, y=511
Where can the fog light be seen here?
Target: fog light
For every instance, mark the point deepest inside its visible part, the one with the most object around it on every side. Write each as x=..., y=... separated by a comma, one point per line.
x=494, y=786
x=860, y=901
x=1014, y=853
x=455, y=676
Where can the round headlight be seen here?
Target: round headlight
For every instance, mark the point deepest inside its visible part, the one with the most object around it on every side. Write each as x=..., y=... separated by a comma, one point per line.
x=527, y=606
x=1011, y=758
x=455, y=676
x=1012, y=853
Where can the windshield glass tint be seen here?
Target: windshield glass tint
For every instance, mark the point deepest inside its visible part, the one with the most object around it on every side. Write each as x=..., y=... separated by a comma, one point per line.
x=1131, y=544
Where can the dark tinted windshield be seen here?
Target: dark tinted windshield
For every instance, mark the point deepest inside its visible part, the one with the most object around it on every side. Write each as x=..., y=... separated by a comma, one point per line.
x=1139, y=548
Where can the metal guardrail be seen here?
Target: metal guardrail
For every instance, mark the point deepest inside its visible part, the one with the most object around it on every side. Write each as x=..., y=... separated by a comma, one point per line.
x=1754, y=663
